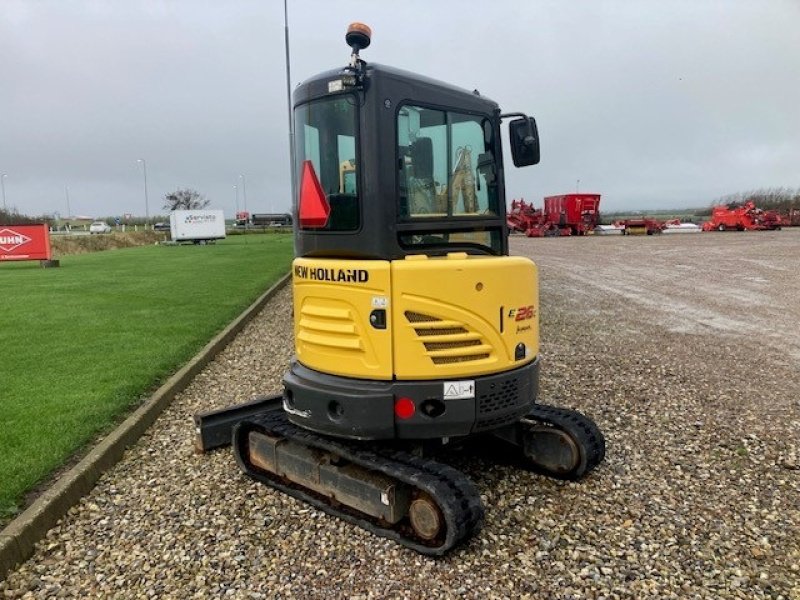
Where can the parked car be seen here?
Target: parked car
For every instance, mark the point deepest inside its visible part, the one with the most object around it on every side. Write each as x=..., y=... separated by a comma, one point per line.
x=161, y=226
x=99, y=227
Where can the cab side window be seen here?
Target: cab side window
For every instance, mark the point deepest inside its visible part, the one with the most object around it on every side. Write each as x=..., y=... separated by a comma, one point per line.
x=472, y=173
x=326, y=137
x=446, y=164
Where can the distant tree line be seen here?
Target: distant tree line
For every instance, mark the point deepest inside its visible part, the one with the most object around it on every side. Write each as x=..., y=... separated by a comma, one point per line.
x=180, y=199
x=781, y=199
x=12, y=217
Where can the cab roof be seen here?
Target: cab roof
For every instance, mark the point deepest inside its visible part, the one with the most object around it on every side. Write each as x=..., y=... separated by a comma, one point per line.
x=410, y=85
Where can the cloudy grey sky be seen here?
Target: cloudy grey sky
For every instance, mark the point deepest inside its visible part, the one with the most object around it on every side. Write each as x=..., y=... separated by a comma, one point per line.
x=652, y=104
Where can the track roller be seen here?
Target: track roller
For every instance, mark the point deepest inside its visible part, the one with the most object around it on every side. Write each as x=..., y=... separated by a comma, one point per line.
x=425, y=517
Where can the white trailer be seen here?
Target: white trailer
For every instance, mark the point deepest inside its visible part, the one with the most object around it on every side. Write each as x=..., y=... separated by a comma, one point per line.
x=609, y=230
x=682, y=228
x=198, y=226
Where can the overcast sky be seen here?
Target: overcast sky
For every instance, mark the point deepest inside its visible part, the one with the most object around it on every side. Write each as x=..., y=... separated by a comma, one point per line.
x=651, y=104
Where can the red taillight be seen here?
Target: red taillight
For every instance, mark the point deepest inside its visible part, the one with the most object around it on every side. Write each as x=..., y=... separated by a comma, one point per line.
x=404, y=408
x=314, y=207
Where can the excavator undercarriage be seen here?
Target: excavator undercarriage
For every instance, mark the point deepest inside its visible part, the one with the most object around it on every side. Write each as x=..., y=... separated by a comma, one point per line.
x=395, y=489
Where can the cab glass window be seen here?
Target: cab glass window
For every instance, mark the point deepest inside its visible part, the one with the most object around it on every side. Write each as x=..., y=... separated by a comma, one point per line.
x=446, y=163
x=447, y=172
x=326, y=136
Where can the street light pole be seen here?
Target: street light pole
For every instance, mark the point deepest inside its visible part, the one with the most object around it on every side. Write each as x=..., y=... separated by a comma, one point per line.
x=146, y=203
x=3, y=185
x=244, y=191
x=236, y=193
x=577, y=186
x=66, y=193
x=292, y=175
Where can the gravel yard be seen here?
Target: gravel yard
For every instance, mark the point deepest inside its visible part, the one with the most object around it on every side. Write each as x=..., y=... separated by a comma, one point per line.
x=684, y=348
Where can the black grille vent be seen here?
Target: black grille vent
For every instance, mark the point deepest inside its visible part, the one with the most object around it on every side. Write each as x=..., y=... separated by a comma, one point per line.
x=449, y=345
x=415, y=317
x=448, y=360
x=506, y=395
x=423, y=331
x=444, y=351
x=501, y=405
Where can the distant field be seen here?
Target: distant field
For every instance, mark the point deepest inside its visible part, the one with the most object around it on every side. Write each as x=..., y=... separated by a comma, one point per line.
x=83, y=343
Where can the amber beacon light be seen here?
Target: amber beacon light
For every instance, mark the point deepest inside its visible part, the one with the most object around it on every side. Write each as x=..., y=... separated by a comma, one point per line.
x=358, y=36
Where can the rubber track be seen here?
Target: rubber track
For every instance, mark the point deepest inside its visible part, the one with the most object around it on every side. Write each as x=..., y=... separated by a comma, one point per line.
x=582, y=429
x=456, y=495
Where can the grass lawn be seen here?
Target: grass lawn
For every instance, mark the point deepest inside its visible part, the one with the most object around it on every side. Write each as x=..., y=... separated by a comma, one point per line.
x=82, y=344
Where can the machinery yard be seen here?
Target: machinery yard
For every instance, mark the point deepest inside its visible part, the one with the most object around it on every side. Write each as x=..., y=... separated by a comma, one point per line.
x=685, y=351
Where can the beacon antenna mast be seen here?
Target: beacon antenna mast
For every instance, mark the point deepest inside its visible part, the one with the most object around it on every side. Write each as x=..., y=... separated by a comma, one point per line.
x=358, y=37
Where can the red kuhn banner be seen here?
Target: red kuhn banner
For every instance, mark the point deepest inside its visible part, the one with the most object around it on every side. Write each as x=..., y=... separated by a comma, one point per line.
x=24, y=242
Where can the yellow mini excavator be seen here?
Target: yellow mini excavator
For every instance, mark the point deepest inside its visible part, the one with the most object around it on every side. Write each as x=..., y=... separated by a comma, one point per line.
x=414, y=328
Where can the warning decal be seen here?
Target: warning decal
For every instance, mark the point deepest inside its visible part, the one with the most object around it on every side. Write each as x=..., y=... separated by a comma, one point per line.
x=456, y=390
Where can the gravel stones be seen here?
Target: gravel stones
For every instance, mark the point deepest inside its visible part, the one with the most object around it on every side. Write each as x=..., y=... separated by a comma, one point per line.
x=699, y=495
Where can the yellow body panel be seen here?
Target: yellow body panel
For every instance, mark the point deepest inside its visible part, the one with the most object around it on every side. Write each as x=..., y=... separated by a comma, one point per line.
x=332, y=303
x=446, y=318
x=460, y=316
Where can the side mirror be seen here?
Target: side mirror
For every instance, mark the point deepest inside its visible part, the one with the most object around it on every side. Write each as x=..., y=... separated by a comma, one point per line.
x=422, y=158
x=524, y=142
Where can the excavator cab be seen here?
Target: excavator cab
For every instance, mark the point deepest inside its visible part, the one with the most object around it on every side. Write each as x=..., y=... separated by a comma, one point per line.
x=414, y=328
x=422, y=161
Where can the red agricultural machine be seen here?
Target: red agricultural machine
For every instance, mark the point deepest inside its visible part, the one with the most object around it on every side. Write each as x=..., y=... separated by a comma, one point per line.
x=523, y=217
x=745, y=217
x=579, y=213
x=568, y=214
x=643, y=226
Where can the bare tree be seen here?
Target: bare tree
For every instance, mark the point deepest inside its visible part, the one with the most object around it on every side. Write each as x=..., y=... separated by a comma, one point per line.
x=186, y=199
